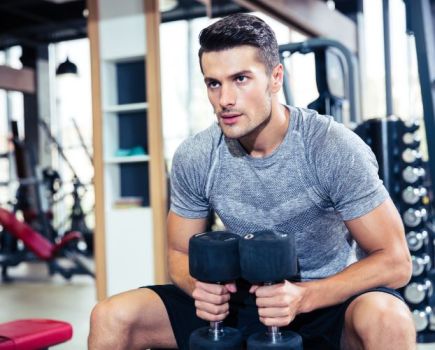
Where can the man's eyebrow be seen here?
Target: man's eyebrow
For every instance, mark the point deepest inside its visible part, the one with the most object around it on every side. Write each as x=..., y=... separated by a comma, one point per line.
x=243, y=72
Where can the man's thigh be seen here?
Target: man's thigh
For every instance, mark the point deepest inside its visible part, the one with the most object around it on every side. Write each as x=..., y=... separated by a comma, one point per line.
x=378, y=320
x=323, y=328
x=181, y=313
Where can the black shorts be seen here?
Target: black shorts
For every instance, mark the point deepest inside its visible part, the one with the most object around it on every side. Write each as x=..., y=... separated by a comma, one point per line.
x=320, y=329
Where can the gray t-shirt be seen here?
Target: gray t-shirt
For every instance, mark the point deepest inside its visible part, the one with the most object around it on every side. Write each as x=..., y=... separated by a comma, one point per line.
x=320, y=175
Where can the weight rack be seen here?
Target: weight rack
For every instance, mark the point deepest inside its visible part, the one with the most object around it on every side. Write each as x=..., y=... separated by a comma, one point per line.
x=396, y=145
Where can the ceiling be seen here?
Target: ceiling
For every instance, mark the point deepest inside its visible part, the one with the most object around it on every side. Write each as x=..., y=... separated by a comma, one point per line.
x=36, y=22
x=39, y=22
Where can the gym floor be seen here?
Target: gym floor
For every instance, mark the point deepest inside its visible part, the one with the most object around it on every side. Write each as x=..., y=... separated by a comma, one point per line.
x=41, y=296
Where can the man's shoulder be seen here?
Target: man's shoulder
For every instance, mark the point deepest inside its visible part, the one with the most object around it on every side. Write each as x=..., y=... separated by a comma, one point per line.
x=321, y=135
x=311, y=125
x=201, y=144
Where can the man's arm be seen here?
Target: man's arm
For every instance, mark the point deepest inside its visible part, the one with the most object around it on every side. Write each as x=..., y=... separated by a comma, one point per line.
x=180, y=230
x=381, y=235
x=211, y=300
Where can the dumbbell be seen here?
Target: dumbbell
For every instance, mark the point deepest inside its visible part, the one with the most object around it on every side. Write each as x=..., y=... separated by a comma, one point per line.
x=411, y=125
x=414, y=217
x=411, y=195
x=268, y=257
x=420, y=264
x=412, y=174
x=416, y=240
x=411, y=139
x=422, y=318
x=411, y=156
x=416, y=292
x=214, y=258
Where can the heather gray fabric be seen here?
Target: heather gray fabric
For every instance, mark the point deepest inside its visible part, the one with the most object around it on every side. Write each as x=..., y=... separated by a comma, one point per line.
x=321, y=174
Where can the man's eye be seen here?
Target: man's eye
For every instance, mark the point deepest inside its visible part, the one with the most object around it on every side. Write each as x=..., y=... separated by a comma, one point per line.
x=213, y=84
x=241, y=78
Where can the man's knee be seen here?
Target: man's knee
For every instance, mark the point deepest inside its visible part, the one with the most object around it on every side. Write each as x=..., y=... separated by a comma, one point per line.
x=113, y=314
x=135, y=319
x=378, y=318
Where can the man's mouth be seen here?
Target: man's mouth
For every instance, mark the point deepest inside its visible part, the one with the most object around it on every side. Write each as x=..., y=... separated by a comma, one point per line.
x=230, y=118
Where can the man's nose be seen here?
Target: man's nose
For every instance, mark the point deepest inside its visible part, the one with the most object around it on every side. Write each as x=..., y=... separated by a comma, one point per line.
x=227, y=96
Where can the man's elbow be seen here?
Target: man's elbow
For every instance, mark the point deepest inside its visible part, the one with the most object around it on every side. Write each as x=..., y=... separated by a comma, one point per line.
x=402, y=267
x=177, y=263
x=171, y=265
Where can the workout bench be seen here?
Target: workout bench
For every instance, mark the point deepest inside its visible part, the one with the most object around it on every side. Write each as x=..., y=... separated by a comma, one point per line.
x=33, y=334
x=41, y=247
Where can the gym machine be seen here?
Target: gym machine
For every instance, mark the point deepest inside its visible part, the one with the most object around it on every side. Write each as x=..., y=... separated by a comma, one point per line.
x=34, y=238
x=336, y=90
x=77, y=216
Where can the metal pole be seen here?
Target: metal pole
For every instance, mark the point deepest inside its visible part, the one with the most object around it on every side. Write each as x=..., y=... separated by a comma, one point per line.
x=387, y=55
x=311, y=44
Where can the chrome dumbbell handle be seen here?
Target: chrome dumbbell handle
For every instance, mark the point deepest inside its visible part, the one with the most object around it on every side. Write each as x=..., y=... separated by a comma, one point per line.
x=273, y=331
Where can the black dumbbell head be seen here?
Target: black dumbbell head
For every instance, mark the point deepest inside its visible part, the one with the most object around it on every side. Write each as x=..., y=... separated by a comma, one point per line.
x=286, y=341
x=268, y=256
x=214, y=256
x=203, y=339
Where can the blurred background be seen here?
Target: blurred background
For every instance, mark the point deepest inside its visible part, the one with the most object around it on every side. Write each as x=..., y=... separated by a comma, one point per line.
x=95, y=97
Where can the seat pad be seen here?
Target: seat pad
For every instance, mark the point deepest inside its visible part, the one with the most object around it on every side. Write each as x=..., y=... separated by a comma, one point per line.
x=32, y=334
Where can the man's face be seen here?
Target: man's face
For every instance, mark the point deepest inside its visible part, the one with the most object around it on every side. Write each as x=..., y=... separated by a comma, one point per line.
x=238, y=88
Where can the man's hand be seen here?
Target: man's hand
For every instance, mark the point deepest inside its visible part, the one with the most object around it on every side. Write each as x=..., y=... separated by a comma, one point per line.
x=279, y=304
x=211, y=300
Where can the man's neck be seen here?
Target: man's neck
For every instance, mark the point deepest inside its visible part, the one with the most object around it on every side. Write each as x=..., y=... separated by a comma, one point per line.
x=266, y=139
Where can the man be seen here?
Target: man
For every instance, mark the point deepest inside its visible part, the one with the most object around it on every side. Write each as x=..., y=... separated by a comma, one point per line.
x=269, y=166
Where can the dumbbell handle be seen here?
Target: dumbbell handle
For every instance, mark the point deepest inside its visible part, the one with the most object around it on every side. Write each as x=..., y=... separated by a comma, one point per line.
x=273, y=331
x=216, y=329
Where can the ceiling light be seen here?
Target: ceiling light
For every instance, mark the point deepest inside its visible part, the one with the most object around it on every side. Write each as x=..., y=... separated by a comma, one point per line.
x=67, y=67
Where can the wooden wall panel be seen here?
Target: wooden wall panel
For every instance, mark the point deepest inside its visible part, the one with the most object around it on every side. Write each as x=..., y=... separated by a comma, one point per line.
x=99, y=235
x=17, y=79
x=155, y=138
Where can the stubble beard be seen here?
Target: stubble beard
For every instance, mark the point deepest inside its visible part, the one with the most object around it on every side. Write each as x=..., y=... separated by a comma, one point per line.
x=239, y=132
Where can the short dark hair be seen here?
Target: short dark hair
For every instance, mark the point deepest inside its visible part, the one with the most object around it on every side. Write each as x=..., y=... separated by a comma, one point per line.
x=237, y=30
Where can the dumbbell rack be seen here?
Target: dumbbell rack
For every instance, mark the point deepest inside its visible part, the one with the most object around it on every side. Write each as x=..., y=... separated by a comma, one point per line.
x=396, y=145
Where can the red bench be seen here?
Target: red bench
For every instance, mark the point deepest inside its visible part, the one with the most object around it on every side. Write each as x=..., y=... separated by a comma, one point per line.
x=33, y=334
x=36, y=242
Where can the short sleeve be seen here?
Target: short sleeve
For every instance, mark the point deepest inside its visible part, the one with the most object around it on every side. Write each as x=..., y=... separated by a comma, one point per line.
x=347, y=172
x=188, y=179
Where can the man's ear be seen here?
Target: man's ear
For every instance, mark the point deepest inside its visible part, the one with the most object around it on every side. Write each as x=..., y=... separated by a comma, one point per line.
x=277, y=77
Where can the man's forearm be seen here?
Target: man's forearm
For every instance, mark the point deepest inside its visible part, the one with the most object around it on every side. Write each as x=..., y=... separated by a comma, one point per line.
x=373, y=271
x=179, y=271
